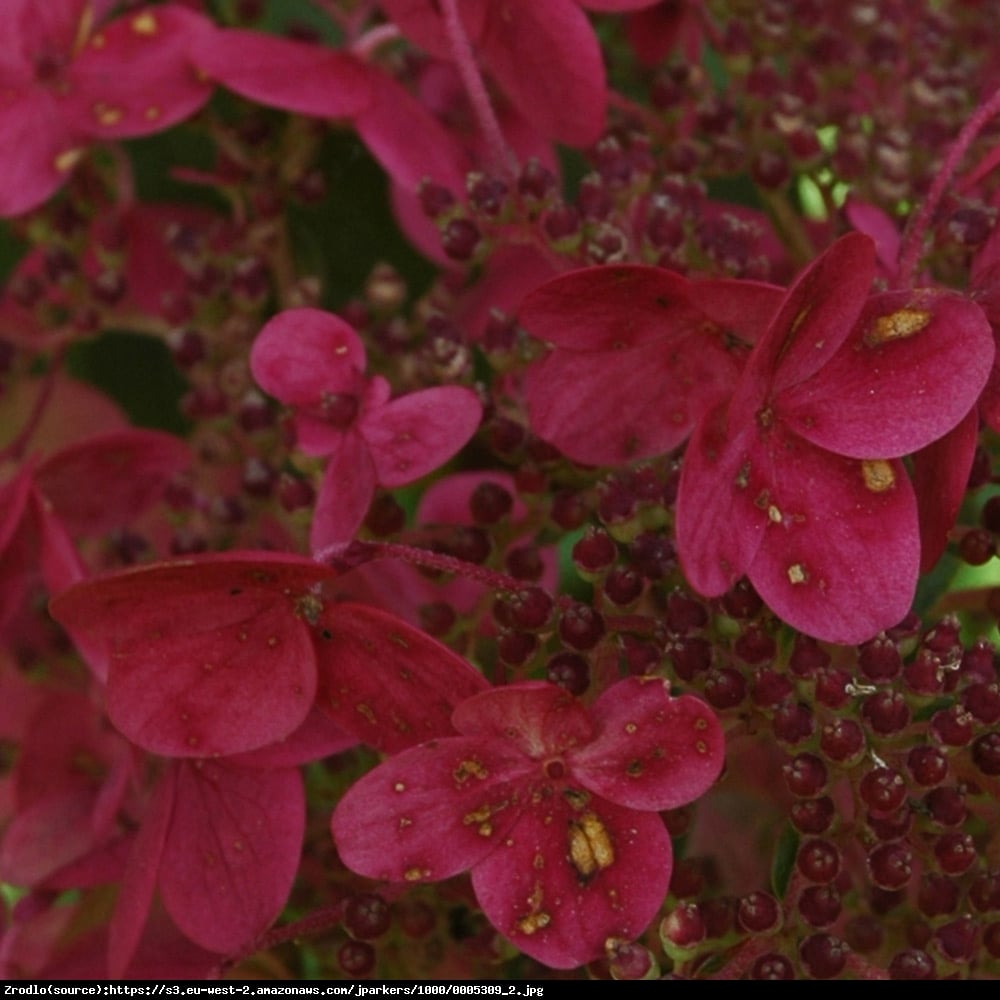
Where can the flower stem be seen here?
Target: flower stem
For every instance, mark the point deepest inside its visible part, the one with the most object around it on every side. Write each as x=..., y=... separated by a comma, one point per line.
x=475, y=89
x=913, y=239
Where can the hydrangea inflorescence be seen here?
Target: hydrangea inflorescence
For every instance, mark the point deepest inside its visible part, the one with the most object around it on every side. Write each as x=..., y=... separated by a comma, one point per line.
x=588, y=505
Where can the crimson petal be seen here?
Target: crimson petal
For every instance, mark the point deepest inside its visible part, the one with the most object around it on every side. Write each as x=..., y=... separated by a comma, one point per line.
x=652, y=751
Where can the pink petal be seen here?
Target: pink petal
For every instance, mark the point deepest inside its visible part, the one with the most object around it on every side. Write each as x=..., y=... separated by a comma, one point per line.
x=420, y=22
x=207, y=656
x=385, y=682
x=610, y=308
x=279, y=73
x=430, y=812
x=841, y=553
x=232, y=851
x=41, y=150
x=318, y=737
x=538, y=718
x=573, y=873
x=539, y=53
x=301, y=354
x=607, y=408
x=651, y=751
x=818, y=315
x=408, y=141
x=719, y=529
x=872, y=221
x=135, y=75
x=106, y=481
x=418, y=433
x=940, y=479
x=47, y=835
x=139, y=882
x=911, y=370
x=345, y=494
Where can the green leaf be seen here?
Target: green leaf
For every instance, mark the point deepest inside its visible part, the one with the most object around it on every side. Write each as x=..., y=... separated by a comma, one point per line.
x=784, y=860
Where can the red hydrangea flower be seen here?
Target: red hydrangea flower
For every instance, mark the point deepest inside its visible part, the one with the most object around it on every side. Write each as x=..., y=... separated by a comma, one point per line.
x=552, y=807
x=315, y=362
x=640, y=354
x=64, y=85
x=796, y=480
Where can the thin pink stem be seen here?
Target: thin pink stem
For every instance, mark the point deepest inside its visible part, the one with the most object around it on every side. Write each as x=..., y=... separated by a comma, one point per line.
x=475, y=89
x=356, y=553
x=913, y=240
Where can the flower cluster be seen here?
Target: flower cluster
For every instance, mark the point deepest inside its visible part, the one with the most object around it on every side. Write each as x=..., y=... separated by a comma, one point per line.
x=452, y=531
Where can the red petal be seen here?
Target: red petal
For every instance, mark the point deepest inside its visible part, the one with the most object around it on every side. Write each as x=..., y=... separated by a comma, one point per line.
x=232, y=851
x=207, y=656
x=301, y=354
x=418, y=433
x=279, y=73
x=610, y=308
x=318, y=737
x=430, y=812
x=570, y=876
x=940, y=479
x=841, y=552
x=346, y=492
x=719, y=529
x=536, y=717
x=135, y=75
x=420, y=21
x=139, y=882
x=606, y=408
x=104, y=482
x=817, y=316
x=40, y=150
x=911, y=370
x=651, y=751
x=540, y=53
x=385, y=682
x=408, y=141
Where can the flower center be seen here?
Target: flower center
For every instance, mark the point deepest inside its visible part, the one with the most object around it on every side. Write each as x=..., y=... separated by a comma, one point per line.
x=554, y=769
x=339, y=408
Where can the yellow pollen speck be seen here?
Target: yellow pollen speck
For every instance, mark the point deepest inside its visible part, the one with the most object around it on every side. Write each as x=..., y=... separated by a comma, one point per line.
x=590, y=846
x=878, y=475
x=701, y=746
x=470, y=769
x=796, y=574
x=773, y=514
x=152, y=113
x=630, y=728
x=107, y=114
x=366, y=711
x=145, y=23
x=533, y=922
x=897, y=325
x=340, y=349
x=98, y=41
x=65, y=161
x=399, y=787
x=416, y=874
x=701, y=724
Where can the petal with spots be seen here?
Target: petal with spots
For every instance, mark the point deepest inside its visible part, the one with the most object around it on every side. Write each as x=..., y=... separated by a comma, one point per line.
x=232, y=851
x=573, y=872
x=432, y=811
x=651, y=751
x=385, y=682
x=537, y=718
